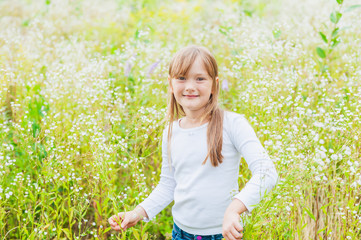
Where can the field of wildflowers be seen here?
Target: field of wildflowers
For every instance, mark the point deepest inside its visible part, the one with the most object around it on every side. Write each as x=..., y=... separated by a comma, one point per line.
x=83, y=97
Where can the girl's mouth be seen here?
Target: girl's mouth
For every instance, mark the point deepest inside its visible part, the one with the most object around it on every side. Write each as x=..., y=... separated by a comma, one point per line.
x=191, y=96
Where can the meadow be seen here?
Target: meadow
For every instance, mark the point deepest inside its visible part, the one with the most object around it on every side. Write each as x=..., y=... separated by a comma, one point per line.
x=83, y=96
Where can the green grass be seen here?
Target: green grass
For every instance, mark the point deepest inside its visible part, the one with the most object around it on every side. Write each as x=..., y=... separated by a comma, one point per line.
x=82, y=116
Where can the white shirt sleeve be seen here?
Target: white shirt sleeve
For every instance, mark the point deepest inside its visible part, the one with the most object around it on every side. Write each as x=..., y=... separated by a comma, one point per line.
x=163, y=193
x=264, y=174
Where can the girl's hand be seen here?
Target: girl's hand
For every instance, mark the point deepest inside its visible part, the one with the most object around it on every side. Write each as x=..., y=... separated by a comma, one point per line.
x=232, y=229
x=124, y=220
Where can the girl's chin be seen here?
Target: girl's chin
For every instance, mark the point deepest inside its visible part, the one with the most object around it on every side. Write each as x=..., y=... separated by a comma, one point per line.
x=192, y=107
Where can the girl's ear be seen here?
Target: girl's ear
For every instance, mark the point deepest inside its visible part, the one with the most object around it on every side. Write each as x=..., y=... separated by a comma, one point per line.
x=217, y=81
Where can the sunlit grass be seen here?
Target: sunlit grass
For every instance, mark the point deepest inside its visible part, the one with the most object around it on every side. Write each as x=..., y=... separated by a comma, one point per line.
x=83, y=100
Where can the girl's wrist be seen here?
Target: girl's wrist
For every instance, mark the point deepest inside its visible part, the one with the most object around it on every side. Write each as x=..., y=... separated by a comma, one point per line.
x=139, y=212
x=237, y=206
x=136, y=216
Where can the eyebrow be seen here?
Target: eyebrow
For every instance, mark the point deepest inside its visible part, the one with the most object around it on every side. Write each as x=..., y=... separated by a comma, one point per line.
x=197, y=74
x=201, y=74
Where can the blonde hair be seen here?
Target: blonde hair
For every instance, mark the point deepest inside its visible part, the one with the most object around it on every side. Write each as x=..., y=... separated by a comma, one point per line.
x=179, y=66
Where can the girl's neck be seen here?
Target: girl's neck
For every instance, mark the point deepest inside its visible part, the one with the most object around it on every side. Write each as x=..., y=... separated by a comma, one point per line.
x=189, y=122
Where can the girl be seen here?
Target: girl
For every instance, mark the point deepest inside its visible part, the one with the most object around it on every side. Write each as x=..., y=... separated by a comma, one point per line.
x=201, y=151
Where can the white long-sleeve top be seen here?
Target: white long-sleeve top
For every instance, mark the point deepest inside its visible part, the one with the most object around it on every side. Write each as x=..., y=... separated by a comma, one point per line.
x=202, y=193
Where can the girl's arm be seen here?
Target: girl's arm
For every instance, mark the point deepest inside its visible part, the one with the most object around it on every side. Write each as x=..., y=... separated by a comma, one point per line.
x=141, y=212
x=264, y=174
x=237, y=206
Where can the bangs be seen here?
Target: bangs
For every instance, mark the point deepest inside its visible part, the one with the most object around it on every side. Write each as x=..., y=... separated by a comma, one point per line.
x=183, y=60
x=181, y=64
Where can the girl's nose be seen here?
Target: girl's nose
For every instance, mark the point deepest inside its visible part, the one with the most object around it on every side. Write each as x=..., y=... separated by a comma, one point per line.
x=189, y=85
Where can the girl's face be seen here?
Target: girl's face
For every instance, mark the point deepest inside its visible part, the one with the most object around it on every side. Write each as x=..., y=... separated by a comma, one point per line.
x=193, y=91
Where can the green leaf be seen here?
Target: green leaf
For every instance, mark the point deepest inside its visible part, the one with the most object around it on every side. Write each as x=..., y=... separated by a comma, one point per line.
x=98, y=207
x=335, y=17
x=339, y=1
x=335, y=42
x=321, y=52
x=137, y=34
x=70, y=214
x=42, y=152
x=248, y=13
x=310, y=214
x=222, y=31
x=145, y=236
x=47, y=2
x=276, y=33
x=335, y=32
x=325, y=206
x=323, y=36
x=321, y=230
x=26, y=23
x=136, y=234
x=350, y=8
x=36, y=129
x=107, y=229
x=67, y=232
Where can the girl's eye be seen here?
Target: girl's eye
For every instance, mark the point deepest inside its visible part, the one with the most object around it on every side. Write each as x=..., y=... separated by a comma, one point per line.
x=181, y=78
x=200, y=79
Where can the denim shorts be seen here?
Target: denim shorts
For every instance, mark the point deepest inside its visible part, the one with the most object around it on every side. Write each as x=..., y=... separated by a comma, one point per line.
x=179, y=234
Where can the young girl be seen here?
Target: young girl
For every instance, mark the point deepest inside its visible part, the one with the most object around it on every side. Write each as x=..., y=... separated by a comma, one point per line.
x=201, y=151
